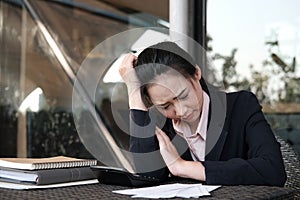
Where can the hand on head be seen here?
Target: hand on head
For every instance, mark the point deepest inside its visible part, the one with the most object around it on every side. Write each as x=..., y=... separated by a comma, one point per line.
x=128, y=74
x=126, y=70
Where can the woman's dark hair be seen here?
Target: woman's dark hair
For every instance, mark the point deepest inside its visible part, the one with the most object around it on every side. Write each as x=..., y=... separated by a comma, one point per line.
x=160, y=58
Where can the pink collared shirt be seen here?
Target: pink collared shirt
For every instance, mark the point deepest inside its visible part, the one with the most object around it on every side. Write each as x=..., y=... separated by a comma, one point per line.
x=196, y=141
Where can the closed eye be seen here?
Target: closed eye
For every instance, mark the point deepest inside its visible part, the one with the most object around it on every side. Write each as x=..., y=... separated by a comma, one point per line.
x=184, y=97
x=166, y=107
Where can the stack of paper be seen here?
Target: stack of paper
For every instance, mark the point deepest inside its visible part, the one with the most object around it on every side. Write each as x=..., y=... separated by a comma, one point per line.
x=20, y=186
x=170, y=191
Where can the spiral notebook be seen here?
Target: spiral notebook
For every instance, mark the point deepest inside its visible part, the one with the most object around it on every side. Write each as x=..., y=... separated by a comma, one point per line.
x=45, y=163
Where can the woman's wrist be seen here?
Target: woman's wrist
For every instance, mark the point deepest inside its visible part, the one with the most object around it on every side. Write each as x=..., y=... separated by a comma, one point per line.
x=190, y=169
x=135, y=100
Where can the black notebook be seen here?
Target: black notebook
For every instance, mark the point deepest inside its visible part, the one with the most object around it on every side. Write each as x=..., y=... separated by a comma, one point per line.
x=46, y=176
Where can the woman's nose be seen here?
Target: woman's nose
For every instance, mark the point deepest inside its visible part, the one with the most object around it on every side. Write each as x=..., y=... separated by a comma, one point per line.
x=178, y=109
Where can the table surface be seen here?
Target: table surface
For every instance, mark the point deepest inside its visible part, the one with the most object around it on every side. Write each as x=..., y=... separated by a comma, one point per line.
x=102, y=191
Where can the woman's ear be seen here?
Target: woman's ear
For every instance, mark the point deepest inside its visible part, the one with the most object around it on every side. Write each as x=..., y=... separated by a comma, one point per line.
x=198, y=73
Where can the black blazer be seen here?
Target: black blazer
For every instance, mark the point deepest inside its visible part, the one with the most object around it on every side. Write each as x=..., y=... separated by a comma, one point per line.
x=244, y=149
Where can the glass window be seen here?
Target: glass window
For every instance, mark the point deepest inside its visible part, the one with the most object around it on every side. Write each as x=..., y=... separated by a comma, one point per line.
x=43, y=44
x=255, y=46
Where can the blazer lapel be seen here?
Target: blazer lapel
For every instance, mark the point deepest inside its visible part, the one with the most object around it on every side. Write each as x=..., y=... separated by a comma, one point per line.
x=216, y=151
x=218, y=125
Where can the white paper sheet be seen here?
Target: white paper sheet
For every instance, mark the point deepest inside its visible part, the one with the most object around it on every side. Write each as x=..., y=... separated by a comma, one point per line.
x=170, y=191
x=19, y=186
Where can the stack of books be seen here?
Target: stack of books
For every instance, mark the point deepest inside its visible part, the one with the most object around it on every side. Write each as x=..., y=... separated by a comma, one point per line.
x=27, y=173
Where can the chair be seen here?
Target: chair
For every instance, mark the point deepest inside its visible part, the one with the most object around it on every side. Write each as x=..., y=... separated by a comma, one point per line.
x=292, y=166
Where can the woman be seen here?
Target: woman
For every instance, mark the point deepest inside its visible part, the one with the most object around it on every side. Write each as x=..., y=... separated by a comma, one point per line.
x=166, y=78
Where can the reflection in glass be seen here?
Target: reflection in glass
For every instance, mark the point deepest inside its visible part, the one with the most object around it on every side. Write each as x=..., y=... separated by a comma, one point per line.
x=43, y=44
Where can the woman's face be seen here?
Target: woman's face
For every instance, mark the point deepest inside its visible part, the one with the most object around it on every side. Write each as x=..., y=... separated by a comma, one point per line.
x=177, y=97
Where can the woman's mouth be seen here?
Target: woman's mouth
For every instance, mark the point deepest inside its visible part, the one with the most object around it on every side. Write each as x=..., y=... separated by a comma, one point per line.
x=187, y=117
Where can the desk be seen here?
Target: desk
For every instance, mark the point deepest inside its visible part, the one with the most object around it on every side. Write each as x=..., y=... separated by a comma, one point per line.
x=101, y=191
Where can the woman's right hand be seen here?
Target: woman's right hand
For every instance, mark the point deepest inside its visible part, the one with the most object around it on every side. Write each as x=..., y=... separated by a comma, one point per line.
x=127, y=72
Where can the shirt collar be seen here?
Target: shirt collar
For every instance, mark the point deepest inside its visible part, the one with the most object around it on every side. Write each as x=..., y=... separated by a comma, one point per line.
x=202, y=126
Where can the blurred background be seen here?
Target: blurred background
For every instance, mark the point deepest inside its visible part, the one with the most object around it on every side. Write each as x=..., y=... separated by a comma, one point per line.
x=254, y=46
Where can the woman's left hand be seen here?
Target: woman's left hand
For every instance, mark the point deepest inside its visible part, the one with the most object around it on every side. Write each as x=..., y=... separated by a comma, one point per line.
x=168, y=152
x=176, y=165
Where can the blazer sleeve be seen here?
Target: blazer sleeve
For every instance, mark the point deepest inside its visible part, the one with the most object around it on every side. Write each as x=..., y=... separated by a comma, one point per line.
x=263, y=163
x=144, y=145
